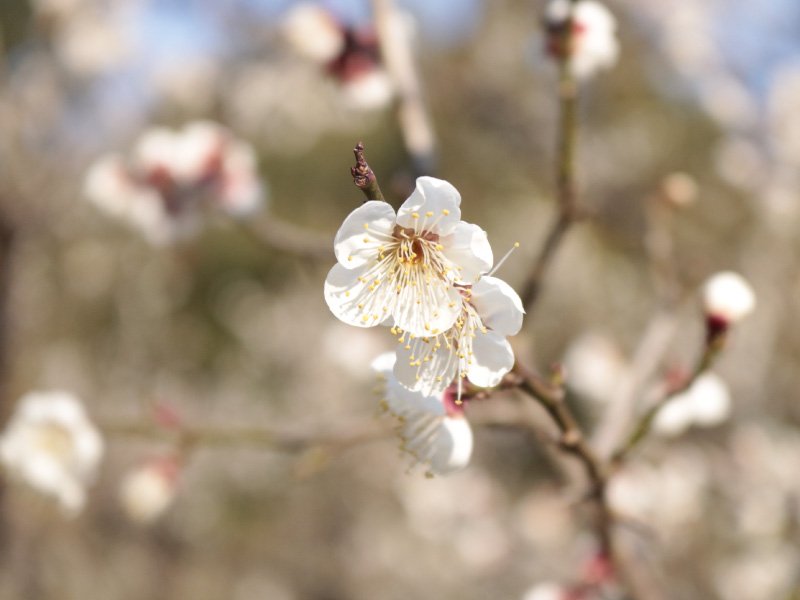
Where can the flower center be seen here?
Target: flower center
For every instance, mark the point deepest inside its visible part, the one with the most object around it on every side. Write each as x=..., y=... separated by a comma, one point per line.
x=54, y=440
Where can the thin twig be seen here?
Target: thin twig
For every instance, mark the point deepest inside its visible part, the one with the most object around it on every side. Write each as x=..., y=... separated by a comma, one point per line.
x=412, y=112
x=565, y=176
x=644, y=425
x=363, y=175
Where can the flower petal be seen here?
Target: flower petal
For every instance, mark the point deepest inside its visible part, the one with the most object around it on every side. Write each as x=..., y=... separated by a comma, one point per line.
x=428, y=309
x=498, y=305
x=468, y=248
x=436, y=204
x=350, y=298
x=422, y=367
x=492, y=357
x=363, y=232
x=452, y=447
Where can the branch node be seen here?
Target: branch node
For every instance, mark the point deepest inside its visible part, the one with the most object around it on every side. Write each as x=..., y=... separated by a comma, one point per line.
x=363, y=176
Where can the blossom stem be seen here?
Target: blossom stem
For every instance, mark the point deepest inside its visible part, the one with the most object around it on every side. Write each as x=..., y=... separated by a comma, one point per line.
x=364, y=177
x=565, y=173
x=642, y=428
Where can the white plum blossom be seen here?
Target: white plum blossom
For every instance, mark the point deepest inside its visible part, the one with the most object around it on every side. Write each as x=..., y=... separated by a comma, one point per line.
x=596, y=367
x=402, y=269
x=312, y=32
x=728, y=298
x=50, y=444
x=432, y=429
x=706, y=403
x=548, y=590
x=594, y=42
x=370, y=90
x=171, y=176
x=348, y=54
x=147, y=491
x=475, y=347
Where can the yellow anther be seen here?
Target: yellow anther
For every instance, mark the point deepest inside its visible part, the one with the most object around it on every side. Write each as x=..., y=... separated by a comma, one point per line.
x=361, y=305
x=366, y=225
x=516, y=244
x=445, y=212
x=429, y=213
x=350, y=257
x=347, y=294
x=415, y=215
x=366, y=240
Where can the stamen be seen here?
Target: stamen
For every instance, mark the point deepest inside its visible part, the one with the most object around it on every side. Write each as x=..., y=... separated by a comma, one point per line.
x=502, y=260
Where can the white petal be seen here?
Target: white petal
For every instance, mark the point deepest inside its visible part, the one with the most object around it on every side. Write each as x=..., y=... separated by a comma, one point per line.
x=427, y=311
x=383, y=363
x=710, y=400
x=436, y=204
x=350, y=299
x=468, y=247
x=492, y=357
x=452, y=447
x=412, y=405
x=432, y=376
x=674, y=418
x=363, y=232
x=498, y=305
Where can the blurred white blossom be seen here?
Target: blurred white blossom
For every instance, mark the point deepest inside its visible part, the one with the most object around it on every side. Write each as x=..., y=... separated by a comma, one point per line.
x=433, y=429
x=706, y=403
x=147, y=491
x=171, y=176
x=728, y=296
x=50, y=444
x=595, y=367
x=594, y=42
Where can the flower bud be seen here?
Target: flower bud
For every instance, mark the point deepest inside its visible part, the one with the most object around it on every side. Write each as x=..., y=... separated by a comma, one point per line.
x=727, y=298
x=147, y=491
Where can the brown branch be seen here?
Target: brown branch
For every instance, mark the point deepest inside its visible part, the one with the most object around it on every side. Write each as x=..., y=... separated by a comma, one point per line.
x=565, y=176
x=364, y=177
x=573, y=442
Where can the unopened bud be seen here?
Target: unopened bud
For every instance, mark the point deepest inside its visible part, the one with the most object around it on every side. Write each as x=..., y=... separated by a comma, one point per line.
x=727, y=298
x=147, y=491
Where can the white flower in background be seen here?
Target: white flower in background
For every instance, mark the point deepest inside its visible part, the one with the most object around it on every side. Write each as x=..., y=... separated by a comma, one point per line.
x=546, y=591
x=475, y=347
x=370, y=90
x=595, y=367
x=594, y=42
x=706, y=403
x=348, y=54
x=728, y=298
x=147, y=491
x=401, y=269
x=171, y=176
x=50, y=444
x=433, y=429
x=312, y=32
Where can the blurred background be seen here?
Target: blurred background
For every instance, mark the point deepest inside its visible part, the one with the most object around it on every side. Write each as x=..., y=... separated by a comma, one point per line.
x=227, y=332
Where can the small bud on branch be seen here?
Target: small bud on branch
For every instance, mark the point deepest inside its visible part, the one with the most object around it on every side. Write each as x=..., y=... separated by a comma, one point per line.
x=363, y=176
